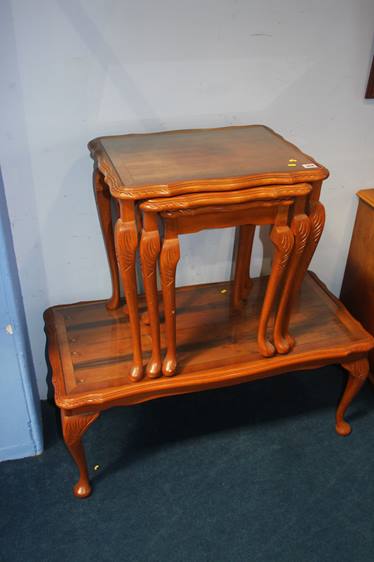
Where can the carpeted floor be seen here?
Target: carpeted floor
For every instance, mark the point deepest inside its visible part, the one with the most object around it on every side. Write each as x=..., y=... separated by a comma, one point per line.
x=250, y=473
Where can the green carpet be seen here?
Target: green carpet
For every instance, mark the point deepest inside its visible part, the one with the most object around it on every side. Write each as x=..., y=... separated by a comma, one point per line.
x=250, y=473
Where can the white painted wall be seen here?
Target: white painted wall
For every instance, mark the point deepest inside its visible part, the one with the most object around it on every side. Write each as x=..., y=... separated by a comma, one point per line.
x=76, y=69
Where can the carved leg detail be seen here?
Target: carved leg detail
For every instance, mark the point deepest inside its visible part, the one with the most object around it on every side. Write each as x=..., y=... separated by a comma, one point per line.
x=300, y=227
x=242, y=281
x=317, y=222
x=73, y=429
x=126, y=236
x=170, y=255
x=357, y=374
x=104, y=209
x=283, y=239
x=149, y=252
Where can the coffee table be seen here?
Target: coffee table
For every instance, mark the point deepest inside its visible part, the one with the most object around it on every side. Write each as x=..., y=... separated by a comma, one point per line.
x=90, y=352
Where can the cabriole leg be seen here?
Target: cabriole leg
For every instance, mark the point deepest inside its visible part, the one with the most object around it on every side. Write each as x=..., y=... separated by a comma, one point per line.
x=242, y=281
x=170, y=255
x=317, y=221
x=357, y=375
x=126, y=237
x=149, y=253
x=73, y=429
x=283, y=240
x=104, y=210
x=300, y=227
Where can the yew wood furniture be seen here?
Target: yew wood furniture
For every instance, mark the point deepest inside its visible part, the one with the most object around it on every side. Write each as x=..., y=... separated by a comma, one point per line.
x=138, y=167
x=358, y=284
x=185, y=214
x=94, y=346
x=90, y=352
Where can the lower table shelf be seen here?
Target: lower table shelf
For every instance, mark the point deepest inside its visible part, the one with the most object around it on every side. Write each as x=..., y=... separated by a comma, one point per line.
x=90, y=352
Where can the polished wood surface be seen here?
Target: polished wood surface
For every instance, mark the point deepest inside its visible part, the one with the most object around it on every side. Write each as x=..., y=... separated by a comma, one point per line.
x=126, y=240
x=150, y=247
x=102, y=354
x=140, y=166
x=215, y=168
x=357, y=291
x=366, y=195
x=90, y=353
x=104, y=211
x=358, y=371
x=73, y=429
x=242, y=260
x=234, y=197
x=307, y=230
x=262, y=205
x=90, y=347
x=300, y=229
x=283, y=241
x=189, y=213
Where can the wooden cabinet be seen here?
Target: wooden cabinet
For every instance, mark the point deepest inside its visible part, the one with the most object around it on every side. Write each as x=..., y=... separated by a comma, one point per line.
x=358, y=284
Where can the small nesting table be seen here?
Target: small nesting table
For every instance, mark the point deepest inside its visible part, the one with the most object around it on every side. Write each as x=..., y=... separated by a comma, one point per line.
x=139, y=167
x=185, y=214
x=98, y=350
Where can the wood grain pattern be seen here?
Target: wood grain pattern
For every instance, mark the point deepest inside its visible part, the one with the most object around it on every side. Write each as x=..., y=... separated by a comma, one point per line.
x=189, y=213
x=224, y=216
x=193, y=180
x=357, y=291
x=225, y=166
x=94, y=345
x=242, y=259
x=139, y=166
x=215, y=347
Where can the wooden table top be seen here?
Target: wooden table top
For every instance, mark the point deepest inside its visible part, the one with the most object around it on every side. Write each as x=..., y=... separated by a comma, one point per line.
x=138, y=166
x=90, y=348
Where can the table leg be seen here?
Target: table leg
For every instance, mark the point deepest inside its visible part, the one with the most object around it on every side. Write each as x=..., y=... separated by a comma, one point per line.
x=73, y=429
x=242, y=281
x=170, y=254
x=317, y=222
x=283, y=240
x=104, y=210
x=149, y=253
x=126, y=238
x=300, y=227
x=357, y=373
